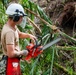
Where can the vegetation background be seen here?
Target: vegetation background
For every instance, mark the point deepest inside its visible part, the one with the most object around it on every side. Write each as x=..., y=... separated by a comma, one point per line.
x=59, y=59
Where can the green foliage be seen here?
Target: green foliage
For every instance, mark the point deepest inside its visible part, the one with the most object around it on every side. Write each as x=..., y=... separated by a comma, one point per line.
x=2, y=15
x=43, y=15
x=44, y=63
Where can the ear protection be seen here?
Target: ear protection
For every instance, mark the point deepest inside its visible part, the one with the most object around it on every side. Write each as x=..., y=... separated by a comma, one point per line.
x=16, y=17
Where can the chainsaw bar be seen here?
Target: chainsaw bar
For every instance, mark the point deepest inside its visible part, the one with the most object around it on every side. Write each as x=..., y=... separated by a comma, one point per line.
x=51, y=43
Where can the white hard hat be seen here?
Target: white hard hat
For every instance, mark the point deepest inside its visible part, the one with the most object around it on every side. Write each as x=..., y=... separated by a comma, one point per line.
x=15, y=8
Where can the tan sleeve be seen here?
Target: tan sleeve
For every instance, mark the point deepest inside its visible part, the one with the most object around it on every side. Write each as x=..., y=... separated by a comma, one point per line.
x=10, y=38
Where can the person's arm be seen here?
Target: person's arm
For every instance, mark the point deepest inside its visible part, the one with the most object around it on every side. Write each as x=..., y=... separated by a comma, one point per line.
x=11, y=52
x=26, y=35
x=10, y=46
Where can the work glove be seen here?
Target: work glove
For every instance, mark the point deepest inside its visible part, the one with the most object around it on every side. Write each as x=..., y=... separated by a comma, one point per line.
x=24, y=53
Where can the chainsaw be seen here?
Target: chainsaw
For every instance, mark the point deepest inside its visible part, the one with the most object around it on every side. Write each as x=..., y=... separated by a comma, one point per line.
x=36, y=49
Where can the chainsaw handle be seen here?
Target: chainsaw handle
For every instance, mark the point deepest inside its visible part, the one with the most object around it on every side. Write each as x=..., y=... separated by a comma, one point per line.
x=36, y=42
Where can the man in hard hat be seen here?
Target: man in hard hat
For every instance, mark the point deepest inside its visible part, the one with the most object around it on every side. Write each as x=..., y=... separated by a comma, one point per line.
x=10, y=38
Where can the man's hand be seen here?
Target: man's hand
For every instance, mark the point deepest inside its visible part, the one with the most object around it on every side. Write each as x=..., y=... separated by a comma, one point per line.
x=24, y=52
x=33, y=38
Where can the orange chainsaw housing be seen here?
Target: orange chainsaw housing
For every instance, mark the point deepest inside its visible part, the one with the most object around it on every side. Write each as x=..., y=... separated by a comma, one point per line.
x=33, y=51
x=13, y=66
